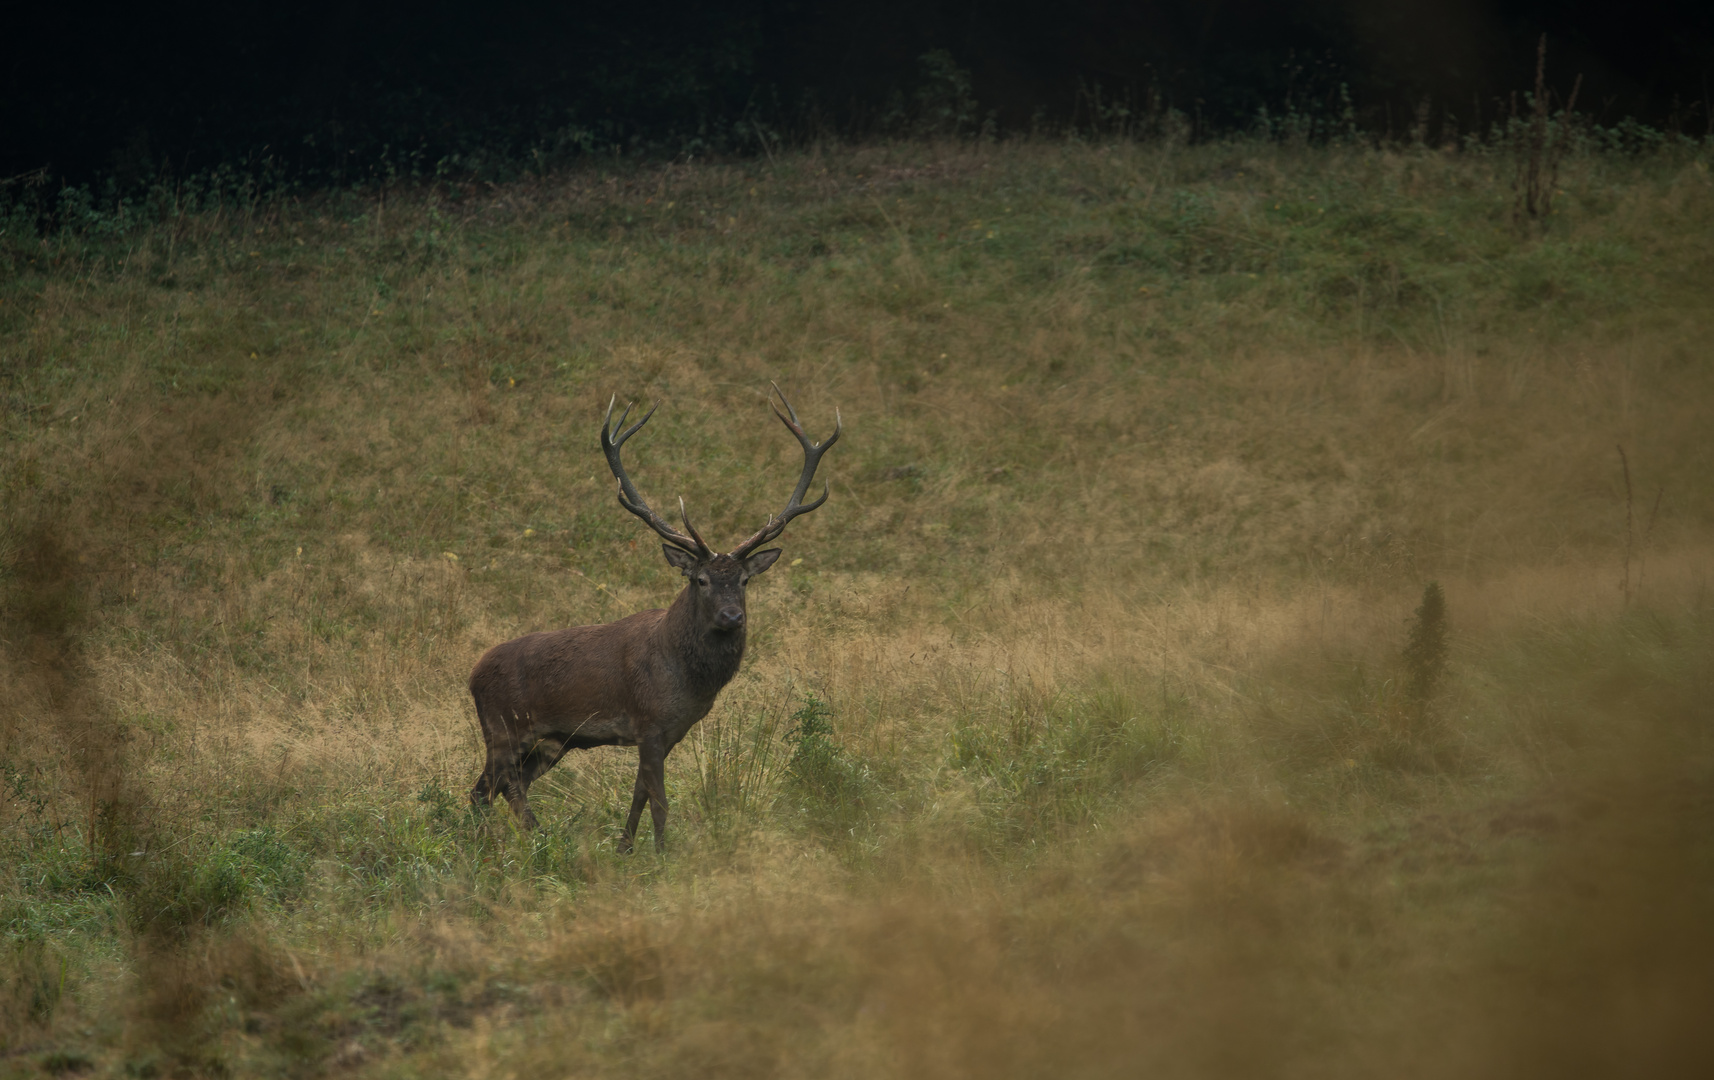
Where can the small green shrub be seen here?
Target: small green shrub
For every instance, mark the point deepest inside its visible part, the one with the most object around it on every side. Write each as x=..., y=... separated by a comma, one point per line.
x=1060, y=761
x=833, y=787
x=172, y=894
x=33, y=977
x=66, y=1063
x=443, y=806
x=271, y=867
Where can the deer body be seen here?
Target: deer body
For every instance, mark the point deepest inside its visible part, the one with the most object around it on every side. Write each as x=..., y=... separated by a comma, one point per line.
x=643, y=681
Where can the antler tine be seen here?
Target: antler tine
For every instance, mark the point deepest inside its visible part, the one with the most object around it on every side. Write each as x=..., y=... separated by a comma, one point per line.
x=688, y=527
x=793, y=422
x=613, y=436
x=619, y=436
x=812, y=452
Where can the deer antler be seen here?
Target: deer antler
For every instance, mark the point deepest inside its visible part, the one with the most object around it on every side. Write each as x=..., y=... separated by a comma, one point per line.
x=613, y=436
x=812, y=452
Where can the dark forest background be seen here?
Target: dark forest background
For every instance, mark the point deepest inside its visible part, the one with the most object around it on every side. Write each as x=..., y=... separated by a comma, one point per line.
x=324, y=92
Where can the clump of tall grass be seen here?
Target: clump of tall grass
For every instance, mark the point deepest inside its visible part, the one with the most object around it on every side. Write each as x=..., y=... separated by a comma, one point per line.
x=1049, y=762
x=1425, y=649
x=1367, y=725
x=737, y=768
x=835, y=790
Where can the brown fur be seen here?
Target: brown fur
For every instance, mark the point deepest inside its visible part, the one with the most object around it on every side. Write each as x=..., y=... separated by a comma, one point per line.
x=642, y=681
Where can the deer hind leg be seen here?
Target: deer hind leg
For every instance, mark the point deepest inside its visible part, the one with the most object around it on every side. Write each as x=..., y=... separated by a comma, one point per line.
x=517, y=791
x=527, y=769
x=488, y=784
x=542, y=757
x=500, y=779
x=483, y=793
x=503, y=774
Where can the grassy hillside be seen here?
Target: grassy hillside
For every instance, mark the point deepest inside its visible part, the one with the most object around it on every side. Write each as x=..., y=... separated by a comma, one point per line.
x=1080, y=734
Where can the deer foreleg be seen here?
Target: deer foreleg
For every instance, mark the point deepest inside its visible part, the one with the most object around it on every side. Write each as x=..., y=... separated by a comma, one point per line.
x=651, y=790
x=652, y=769
x=639, y=799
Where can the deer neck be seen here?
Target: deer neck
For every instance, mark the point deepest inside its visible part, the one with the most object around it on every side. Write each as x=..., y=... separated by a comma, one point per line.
x=708, y=657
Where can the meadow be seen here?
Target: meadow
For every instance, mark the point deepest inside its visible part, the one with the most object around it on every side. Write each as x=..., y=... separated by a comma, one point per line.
x=1105, y=721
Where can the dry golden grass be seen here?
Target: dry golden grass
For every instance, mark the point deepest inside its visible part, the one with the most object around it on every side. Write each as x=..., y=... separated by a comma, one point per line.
x=1150, y=452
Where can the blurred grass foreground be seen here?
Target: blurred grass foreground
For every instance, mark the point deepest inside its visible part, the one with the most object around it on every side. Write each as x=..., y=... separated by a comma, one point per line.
x=1261, y=626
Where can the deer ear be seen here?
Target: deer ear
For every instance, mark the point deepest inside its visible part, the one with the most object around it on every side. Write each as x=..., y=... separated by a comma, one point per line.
x=760, y=561
x=684, y=560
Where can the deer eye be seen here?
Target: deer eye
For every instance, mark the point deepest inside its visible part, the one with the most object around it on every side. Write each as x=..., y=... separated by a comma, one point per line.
x=702, y=579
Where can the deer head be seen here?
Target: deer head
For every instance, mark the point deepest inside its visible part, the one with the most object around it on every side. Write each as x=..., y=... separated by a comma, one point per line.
x=716, y=581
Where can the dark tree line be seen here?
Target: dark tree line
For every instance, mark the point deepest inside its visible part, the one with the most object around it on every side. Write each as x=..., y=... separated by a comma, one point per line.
x=340, y=91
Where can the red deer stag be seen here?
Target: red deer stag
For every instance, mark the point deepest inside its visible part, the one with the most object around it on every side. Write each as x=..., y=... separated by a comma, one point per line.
x=642, y=681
